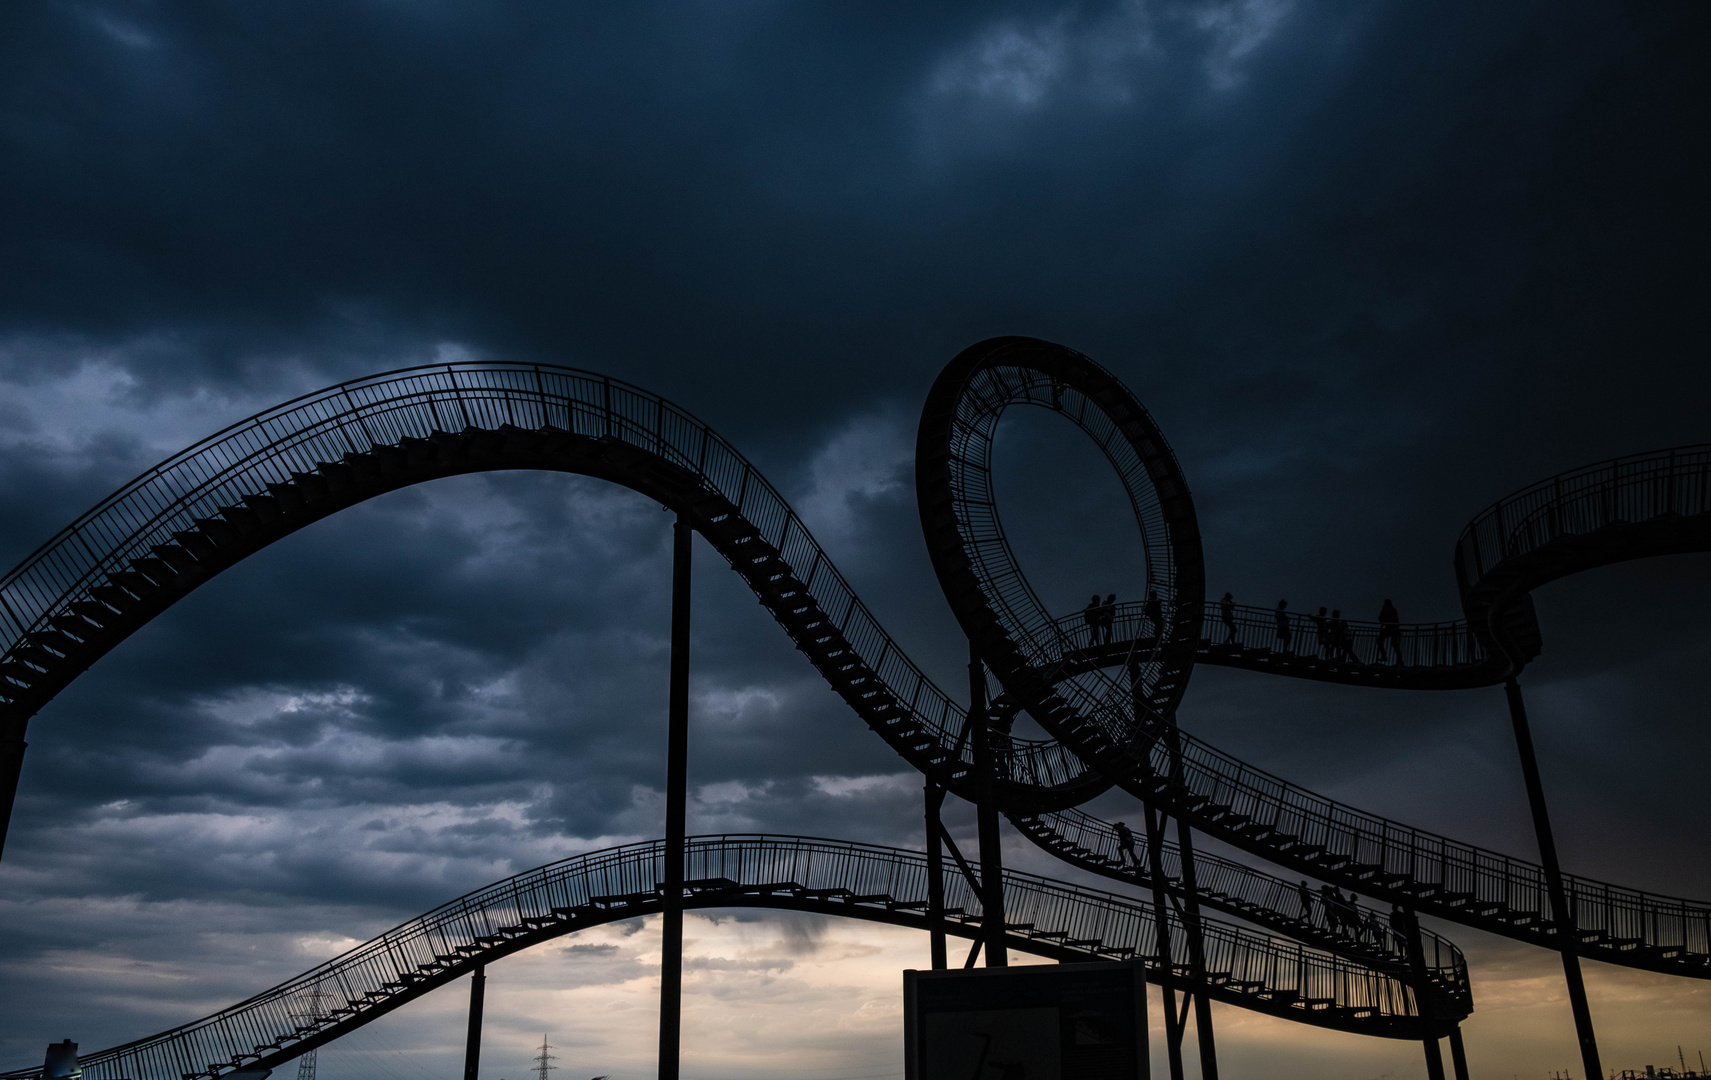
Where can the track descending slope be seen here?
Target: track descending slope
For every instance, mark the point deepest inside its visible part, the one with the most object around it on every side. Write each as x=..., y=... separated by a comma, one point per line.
x=1239, y=890
x=1653, y=505
x=148, y=545
x=861, y=881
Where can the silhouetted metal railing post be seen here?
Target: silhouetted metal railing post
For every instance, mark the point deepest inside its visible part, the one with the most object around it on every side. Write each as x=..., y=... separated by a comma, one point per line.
x=935, y=797
x=991, y=854
x=472, y=1045
x=676, y=805
x=1568, y=937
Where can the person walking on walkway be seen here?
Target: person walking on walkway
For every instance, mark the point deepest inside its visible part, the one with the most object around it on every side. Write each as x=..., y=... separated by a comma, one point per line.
x=1390, y=631
x=1322, y=631
x=1108, y=617
x=1282, y=617
x=1154, y=611
x=1306, y=899
x=1227, y=612
x=1126, y=846
x=1332, y=901
x=1090, y=615
x=1399, y=927
x=1340, y=646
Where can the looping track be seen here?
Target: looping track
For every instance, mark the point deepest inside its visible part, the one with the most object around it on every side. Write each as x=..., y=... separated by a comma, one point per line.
x=178, y=525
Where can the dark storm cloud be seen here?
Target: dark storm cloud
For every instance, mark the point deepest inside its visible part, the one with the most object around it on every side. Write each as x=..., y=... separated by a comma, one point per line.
x=1369, y=268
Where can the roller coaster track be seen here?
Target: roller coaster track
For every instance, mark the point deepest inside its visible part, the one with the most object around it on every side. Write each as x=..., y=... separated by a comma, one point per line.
x=861, y=881
x=1235, y=889
x=132, y=556
x=1634, y=507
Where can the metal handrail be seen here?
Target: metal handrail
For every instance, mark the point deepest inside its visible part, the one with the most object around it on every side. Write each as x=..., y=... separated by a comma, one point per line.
x=1124, y=730
x=1078, y=837
x=1625, y=490
x=1307, y=637
x=866, y=880
x=356, y=417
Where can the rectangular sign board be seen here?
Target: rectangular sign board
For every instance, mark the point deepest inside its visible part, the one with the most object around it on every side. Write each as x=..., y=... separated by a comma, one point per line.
x=1040, y=1022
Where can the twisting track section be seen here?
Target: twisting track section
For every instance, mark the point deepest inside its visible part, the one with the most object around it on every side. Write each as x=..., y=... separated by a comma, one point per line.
x=115, y=568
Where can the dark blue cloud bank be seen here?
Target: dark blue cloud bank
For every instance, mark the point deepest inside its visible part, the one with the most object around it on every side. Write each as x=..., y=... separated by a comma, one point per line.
x=1370, y=266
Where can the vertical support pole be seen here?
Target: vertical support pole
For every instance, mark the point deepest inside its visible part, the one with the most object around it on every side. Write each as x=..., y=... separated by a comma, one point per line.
x=1161, y=914
x=11, y=769
x=1203, y=1035
x=1562, y=912
x=1161, y=910
x=991, y=855
x=472, y=1046
x=936, y=875
x=1423, y=997
x=676, y=805
x=1458, y=1053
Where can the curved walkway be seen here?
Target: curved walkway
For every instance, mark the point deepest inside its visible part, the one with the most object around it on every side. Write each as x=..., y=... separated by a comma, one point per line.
x=860, y=881
x=1125, y=725
x=151, y=543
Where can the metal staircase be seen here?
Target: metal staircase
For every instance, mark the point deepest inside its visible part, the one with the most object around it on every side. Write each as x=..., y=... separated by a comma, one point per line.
x=1123, y=723
x=888, y=885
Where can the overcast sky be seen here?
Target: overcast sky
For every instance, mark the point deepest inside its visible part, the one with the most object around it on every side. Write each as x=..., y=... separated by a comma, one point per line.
x=1370, y=266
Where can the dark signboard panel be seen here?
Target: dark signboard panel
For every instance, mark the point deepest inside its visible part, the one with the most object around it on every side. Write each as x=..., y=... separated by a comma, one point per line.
x=1041, y=1022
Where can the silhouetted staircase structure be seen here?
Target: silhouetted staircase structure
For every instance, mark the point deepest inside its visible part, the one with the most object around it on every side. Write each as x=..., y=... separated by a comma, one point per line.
x=1657, y=504
x=203, y=510
x=860, y=881
x=1236, y=889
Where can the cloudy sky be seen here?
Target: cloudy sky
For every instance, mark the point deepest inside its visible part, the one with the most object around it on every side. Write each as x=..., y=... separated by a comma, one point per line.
x=1371, y=267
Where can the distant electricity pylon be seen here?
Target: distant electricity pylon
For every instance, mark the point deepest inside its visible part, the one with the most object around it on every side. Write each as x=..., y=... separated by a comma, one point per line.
x=306, y=1063
x=541, y=1059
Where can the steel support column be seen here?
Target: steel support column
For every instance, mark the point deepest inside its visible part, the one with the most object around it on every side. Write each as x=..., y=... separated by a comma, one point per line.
x=1458, y=1053
x=1561, y=910
x=1203, y=1036
x=676, y=805
x=935, y=798
x=11, y=768
x=1161, y=912
x=1423, y=996
x=472, y=1045
x=991, y=855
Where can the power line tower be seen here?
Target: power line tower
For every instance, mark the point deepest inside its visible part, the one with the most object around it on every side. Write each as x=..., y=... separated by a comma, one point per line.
x=306, y=1063
x=541, y=1060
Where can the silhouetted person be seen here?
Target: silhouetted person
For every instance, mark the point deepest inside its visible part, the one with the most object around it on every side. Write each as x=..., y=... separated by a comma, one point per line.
x=1125, y=846
x=1306, y=901
x=1091, y=615
x=1282, y=626
x=1340, y=636
x=1322, y=631
x=1390, y=631
x=1375, y=928
x=1399, y=926
x=1332, y=901
x=1227, y=611
x=1108, y=617
x=1352, y=914
x=1153, y=609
